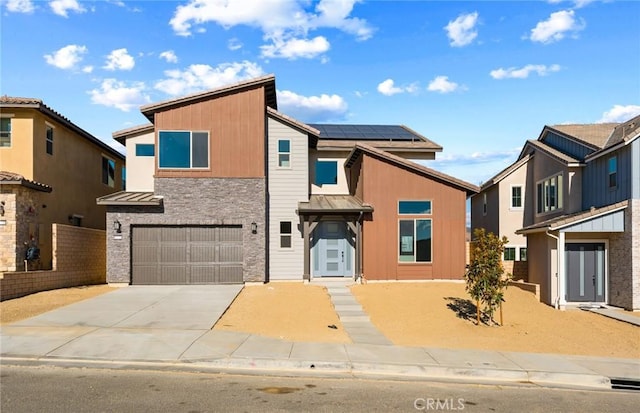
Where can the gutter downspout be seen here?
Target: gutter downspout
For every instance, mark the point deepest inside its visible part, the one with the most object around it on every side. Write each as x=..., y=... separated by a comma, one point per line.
x=359, y=240
x=557, y=300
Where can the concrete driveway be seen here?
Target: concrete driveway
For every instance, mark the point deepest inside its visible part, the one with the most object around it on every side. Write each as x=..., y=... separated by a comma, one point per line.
x=132, y=322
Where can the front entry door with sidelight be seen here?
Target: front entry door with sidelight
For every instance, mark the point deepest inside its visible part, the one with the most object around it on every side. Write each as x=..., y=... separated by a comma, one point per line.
x=585, y=272
x=333, y=253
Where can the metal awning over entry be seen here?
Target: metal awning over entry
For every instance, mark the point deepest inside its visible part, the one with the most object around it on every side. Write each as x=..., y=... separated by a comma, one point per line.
x=335, y=207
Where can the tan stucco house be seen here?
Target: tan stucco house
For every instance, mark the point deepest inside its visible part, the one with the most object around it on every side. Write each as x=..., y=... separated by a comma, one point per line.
x=231, y=190
x=51, y=171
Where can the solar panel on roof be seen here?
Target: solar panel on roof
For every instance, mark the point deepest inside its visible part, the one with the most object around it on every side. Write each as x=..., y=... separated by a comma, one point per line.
x=364, y=132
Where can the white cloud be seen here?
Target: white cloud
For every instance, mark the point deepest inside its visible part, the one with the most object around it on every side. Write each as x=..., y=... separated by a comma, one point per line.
x=119, y=59
x=294, y=48
x=312, y=108
x=620, y=113
x=461, y=31
x=202, y=77
x=556, y=27
x=62, y=7
x=117, y=94
x=66, y=57
x=523, y=72
x=87, y=69
x=284, y=23
x=169, y=56
x=388, y=88
x=20, y=6
x=234, y=44
x=576, y=3
x=442, y=84
x=118, y=3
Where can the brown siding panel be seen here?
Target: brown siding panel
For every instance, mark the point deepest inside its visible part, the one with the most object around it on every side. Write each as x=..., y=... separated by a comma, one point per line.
x=384, y=186
x=236, y=125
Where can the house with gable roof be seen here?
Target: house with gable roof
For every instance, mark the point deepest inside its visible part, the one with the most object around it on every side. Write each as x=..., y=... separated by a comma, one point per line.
x=581, y=215
x=230, y=190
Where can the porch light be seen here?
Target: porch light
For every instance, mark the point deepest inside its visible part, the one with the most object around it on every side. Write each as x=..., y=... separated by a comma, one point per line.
x=117, y=226
x=254, y=228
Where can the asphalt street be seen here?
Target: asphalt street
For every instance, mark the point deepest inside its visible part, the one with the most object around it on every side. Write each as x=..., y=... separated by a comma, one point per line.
x=57, y=389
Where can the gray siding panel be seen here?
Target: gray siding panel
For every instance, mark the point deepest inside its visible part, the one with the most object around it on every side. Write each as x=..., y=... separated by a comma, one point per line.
x=635, y=169
x=613, y=222
x=596, y=191
x=570, y=147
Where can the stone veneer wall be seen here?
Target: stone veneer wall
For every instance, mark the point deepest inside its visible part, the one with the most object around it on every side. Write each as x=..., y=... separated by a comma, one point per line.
x=79, y=258
x=624, y=261
x=18, y=225
x=195, y=201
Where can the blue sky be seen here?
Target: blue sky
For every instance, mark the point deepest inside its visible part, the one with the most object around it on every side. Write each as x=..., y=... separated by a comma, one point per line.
x=479, y=78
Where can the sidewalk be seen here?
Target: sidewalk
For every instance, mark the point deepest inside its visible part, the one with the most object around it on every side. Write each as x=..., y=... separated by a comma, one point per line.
x=142, y=329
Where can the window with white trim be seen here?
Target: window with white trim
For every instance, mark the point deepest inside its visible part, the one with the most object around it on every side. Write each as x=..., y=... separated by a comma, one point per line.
x=5, y=132
x=183, y=150
x=549, y=194
x=49, y=139
x=284, y=153
x=285, y=234
x=509, y=254
x=414, y=234
x=516, y=197
x=523, y=253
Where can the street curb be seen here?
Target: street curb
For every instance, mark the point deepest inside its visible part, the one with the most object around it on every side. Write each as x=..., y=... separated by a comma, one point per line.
x=302, y=368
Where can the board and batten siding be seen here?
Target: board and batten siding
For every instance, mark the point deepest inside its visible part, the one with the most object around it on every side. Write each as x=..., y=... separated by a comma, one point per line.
x=287, y=187
x=596, y=191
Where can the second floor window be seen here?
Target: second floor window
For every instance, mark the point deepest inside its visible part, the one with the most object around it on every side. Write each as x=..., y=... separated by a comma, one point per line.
x=516, y=197
x=145, y=149
x=284, y=153
x=484, y=204
x=183, y=150
x=108, y=172
x=549, y=193
x=5, y=132
x=613, y=172
x=49, y=140
x=326, y=173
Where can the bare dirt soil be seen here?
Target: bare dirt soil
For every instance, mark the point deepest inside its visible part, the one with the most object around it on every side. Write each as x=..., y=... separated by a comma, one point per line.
x=31, y=305
x=440, y=314
x=287, y=311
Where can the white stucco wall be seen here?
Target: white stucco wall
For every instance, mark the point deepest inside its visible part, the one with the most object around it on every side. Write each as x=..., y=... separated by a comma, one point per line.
x=140, y=169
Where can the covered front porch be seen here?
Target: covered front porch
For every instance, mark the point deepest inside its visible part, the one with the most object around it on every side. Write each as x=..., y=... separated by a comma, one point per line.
x=332, y=233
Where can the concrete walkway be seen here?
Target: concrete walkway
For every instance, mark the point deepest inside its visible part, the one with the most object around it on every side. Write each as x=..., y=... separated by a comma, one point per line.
x=353, y=318
x=157, y=328
x=619, y=315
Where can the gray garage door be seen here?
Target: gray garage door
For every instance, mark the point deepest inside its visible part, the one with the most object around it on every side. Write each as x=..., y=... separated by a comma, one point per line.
x=187, y=255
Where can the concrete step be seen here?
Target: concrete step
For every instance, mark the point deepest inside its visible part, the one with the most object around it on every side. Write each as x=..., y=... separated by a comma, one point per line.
x=341, y=308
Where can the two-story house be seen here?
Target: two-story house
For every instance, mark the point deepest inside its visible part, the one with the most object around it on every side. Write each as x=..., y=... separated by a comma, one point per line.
x=581, y=214
x=51, y=171
x=230, y=190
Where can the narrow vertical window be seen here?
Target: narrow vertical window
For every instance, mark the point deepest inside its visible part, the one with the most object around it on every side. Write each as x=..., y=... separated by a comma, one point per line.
x=613, y=171
x=284, y=153
x=5, y=132
x=285, y=234
x=108, y=172
x=49, y=140
x=516, y=197
x=523, y=253
x=484, y=204
x=124, y=178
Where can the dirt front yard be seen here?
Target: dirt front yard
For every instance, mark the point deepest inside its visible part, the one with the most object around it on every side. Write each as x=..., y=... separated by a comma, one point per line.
x=31, y=305
x=440, y=314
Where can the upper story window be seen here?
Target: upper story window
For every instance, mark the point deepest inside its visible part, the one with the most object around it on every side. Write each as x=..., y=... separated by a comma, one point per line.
x=414, y=207
x=124, y=178
x=613, y=171
x=284, y=153
x=326, y=173
x=5, y=132
x=108, y=172
x=145, y=149
x=484, y=204
x=50, y=139
x=516, y=197
x=183, y=149
x=549, y=193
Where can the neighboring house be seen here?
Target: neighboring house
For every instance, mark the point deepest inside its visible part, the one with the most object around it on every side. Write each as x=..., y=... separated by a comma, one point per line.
x=499, y=208
x=51, y=171
x=582, y=198
x=234, y=191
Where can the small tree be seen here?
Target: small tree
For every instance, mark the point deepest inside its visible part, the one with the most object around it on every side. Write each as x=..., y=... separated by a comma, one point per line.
x=485, y=276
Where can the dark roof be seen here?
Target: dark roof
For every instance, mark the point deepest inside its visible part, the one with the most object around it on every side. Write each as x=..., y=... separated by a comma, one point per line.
x=560, y=156
x=268, y=81
x=130, y=198
x=570, y=219
x=624, y=132
x=37, y=104
x=361, y=148
x=10, y=178
x=367, y=132
x=336, y=204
